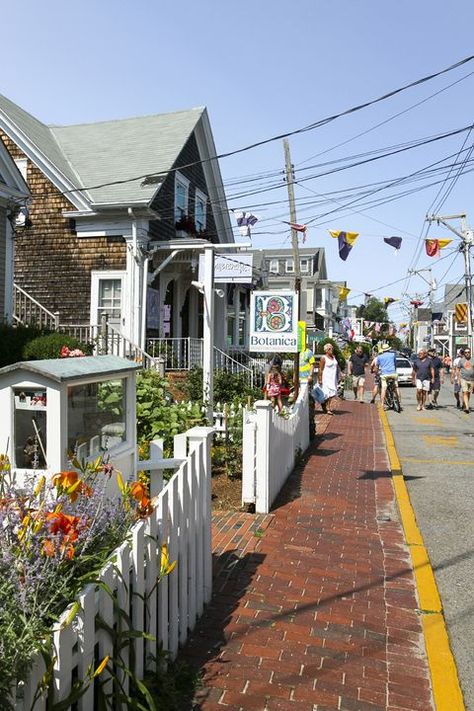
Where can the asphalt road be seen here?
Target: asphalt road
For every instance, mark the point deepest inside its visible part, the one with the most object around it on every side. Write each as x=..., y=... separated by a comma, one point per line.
x=436, y=449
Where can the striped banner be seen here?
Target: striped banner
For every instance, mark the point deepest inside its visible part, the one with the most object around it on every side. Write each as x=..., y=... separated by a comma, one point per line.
x=460, y=313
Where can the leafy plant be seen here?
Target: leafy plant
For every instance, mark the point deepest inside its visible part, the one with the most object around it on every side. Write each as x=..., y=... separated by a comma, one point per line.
x=228, y=387
x=49, y=346
x=13, y=340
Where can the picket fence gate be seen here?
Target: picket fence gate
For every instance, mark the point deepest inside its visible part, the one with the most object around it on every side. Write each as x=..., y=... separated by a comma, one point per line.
x=166, y=612
x=271, y=443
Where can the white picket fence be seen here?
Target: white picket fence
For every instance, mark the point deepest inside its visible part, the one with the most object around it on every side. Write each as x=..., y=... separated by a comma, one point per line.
x=271, y=443
x=167, y=612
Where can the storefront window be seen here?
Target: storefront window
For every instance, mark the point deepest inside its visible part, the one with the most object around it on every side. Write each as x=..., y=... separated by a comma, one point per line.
x=96, y=417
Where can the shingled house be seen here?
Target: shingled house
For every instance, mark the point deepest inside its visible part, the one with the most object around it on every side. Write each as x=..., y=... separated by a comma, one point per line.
x=13, y=195
x=103, y=196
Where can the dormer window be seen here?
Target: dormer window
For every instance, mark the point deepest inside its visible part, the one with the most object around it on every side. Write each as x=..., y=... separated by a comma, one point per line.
x=274, y=269
x=290, y=267
x=181, y=196
x=304, y=266
x=200, y=209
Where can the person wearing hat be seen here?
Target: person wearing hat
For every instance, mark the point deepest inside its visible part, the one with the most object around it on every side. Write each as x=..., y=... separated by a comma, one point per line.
x=386, y=365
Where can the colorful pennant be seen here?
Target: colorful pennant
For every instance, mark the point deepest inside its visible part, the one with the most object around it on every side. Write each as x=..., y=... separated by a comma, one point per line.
x=343, y=292
x=434, y=246
x=245, y=220
x=346, y=241
x=395, y=242
x=298, y=228
x=388, y=300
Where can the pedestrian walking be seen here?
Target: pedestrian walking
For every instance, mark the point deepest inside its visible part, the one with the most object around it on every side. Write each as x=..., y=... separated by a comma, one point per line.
x=385, y=365
x=356, y=369
x=328, y=377
x=456, y=378
x=435, y=386
x=423, y=376
x=466, y=373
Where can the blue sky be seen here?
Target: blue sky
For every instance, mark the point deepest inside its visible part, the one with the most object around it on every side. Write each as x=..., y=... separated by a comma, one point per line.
x=264, y=67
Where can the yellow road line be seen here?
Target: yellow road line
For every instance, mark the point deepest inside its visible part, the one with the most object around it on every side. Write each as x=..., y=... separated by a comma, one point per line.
x=436, y=461
x=444, y=677
x=441, y=441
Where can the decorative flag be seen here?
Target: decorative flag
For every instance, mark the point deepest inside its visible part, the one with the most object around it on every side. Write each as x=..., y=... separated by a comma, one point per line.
x=345, y=240
x=460, y=313
x=402, y=325
x=343, y=292
x=245, y=220
x=395, y=242
x=433, y=246
x=416, y=303
x=298, y=228
x=378, y=327
x=388, y=300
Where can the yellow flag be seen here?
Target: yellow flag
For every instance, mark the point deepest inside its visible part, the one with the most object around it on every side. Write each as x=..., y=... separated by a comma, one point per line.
x=444, y=243
x=343, y=292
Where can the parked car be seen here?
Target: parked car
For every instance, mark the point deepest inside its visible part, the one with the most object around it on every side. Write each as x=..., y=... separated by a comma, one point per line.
x=404, y=371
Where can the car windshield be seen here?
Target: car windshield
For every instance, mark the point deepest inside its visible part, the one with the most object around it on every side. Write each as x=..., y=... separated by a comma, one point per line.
x=403, y=363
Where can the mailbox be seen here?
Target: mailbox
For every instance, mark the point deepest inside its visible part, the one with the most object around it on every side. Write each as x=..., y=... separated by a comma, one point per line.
x=52, y=409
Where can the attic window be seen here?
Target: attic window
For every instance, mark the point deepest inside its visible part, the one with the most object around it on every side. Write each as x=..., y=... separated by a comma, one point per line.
x=200, y=211
x=22, y=165
x=181, y=196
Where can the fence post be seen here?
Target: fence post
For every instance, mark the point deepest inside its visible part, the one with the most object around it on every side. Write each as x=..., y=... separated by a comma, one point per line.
x=156, y=475
x=56, y=320
x=204, y=435
x=249, y=429
x=262, y=489
x=103, y=335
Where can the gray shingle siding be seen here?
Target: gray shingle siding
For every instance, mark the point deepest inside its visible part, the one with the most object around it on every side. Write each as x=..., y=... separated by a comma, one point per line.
x=163, y=203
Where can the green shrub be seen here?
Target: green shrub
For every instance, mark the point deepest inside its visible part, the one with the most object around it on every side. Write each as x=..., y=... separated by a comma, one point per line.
x=49, y=346
x=13, y=339
x=228, y=387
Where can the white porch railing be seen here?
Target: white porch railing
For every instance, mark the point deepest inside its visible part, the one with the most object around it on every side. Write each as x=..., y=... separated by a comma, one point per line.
x=178, y=353
x=167, y=612
x=28, y=311
x=271, y=443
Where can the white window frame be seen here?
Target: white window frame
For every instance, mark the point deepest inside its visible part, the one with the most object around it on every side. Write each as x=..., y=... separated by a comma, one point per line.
x=274, y=267
x=199, y=195
x=290, y=269
x=183, y=182
x=304, y=261
x=22, y=165
x=96, y=277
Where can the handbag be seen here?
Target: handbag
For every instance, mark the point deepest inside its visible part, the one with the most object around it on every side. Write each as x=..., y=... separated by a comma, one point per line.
x=318, y=394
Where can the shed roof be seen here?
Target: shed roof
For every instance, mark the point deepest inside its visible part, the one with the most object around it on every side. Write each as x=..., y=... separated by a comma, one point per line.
x=63, y=369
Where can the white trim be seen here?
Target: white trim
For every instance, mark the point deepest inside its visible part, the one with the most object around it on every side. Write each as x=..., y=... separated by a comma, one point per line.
x=182, y=181
x=9, y=254
x=54, y=175
x=16, y=186
x=289, y=261
x=271, y=268
x=213, y=177
x=304, y=270
x=199, y=195
x=96, y=276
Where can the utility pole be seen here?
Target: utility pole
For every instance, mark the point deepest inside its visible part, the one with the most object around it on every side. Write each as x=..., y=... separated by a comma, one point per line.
x=290, y=179
x=467, y=241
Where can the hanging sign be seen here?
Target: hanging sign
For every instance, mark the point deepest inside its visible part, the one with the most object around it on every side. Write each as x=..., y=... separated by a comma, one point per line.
x=229, y=268
x=273, y=322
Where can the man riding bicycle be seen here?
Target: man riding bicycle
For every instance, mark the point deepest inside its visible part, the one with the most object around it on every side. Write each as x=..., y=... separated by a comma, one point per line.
x=386, y=364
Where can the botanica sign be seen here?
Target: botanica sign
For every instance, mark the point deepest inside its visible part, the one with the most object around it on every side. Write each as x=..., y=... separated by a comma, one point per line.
x=274, y=321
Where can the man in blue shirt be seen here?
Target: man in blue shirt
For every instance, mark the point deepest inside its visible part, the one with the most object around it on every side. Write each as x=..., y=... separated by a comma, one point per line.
x=386, y=365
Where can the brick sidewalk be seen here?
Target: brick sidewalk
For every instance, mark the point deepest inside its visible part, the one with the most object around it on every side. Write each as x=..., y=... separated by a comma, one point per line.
x=314, y=605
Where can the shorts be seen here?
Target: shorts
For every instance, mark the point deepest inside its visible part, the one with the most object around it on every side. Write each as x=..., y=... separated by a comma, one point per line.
x=436, y=386
x=358, y=381
x=392, y=376
x=467, y=386
x=423, y=385
x=377, y=379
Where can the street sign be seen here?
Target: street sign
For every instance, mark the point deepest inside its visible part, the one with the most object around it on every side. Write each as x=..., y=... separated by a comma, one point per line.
x=233, y=268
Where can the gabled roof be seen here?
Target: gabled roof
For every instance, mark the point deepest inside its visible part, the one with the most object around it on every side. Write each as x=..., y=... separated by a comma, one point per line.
x=118, y=150
x=63, y=369
x=92, y=154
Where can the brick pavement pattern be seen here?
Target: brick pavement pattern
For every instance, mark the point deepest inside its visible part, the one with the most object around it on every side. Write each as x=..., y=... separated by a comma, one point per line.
x=314, y=605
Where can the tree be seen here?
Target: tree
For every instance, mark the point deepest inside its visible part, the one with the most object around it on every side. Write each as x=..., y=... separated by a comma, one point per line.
x=373, y=310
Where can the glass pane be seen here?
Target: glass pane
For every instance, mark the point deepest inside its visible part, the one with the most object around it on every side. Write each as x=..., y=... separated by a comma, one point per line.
x=30, y=428
x=110, y=298
x=96, y=417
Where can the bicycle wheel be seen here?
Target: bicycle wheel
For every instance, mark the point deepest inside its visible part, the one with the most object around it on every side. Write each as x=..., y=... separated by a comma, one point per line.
x=396, y=401
x=389, y=398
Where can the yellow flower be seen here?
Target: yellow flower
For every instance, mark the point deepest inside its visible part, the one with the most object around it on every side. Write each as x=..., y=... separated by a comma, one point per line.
x=166, y=566
x=39, y=485
x=101, y=666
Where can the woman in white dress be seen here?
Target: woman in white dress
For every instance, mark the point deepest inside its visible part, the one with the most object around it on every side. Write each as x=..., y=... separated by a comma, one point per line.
x=328, y=377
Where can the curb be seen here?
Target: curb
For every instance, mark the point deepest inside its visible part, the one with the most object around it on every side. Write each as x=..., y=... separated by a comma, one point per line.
x=447, y=692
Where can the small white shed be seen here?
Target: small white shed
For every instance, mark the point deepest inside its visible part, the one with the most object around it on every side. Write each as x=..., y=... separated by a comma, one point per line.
x=52, y=408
